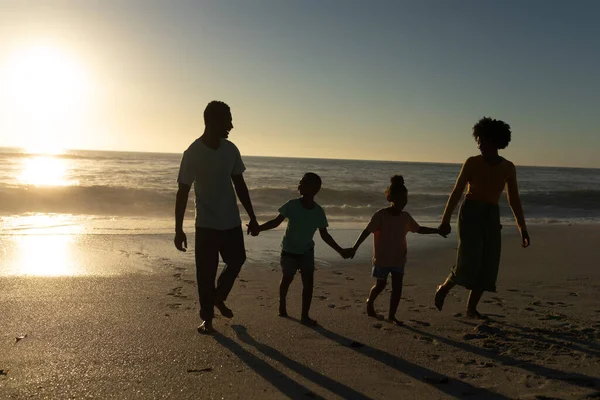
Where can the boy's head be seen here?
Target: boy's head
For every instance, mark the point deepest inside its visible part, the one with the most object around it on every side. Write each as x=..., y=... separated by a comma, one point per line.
x=310, y=184
x=217, y=118
x=491, y=134
x=397, y=193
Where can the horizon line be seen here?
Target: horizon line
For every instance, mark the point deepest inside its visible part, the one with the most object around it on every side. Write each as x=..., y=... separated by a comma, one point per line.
x=24, y=150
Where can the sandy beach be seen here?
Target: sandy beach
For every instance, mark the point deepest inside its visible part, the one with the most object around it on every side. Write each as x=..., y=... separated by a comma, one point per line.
x=134, y=335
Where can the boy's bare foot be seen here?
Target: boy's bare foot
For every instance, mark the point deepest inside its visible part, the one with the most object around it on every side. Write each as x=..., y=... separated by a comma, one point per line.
x=206, y=328
x=396, y=321
x=308, y=321
x=440, y=296
x=224, y=310
x=474, y=314
x=371, y=311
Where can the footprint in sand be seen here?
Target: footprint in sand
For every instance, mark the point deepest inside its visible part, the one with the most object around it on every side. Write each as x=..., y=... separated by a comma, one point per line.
x=512, y=290
x=322, y=297
x=189, y=281
x=174, y=305
x=177, y=275
x=337, y=272
x=331, y=305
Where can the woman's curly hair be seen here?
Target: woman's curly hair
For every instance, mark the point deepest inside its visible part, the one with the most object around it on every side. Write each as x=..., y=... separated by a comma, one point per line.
x=396, y=187
x=493, y=131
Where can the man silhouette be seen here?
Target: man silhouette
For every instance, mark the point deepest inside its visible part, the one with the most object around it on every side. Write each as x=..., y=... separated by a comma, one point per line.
x=212, y=163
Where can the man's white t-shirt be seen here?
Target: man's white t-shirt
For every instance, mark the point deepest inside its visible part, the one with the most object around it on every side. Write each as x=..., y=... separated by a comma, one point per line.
x=210, y=171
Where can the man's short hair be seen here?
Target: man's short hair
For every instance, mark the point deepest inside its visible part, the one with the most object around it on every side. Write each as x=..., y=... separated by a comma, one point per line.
x=216, y=111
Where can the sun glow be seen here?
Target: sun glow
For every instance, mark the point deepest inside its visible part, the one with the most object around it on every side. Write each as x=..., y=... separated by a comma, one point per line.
x=45, y=171
x=46, y=91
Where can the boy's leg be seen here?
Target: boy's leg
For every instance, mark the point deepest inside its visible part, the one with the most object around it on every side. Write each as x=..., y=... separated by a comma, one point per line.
x=233, y=253
x=284, y=285
x=397, y=278
x=307, y=270
x=307, y=293
x=381, y=275
x=207, y=261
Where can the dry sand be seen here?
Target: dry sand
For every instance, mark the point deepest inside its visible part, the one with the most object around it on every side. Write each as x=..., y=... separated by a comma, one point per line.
x=134, y=336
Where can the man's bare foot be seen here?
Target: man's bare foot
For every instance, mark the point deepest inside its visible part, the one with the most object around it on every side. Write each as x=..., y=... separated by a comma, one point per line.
x=283, y=313
x=206, y=328
x=224, y=310
x=308, y=321
x=440, y=296
x=394, y=320
x=371, y=311
x=474, y=314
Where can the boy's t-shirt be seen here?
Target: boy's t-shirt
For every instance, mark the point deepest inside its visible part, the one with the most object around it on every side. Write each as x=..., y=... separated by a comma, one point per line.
x=389, y=242
x=301, y=227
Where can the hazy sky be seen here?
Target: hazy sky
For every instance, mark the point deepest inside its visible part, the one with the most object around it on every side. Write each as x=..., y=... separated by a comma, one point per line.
x=393, y=80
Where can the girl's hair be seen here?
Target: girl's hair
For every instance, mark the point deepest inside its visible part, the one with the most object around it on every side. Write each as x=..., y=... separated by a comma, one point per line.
x=396, y=187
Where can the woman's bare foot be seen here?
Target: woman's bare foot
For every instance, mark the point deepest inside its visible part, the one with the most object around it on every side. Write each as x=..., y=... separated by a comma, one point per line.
x=308, y=321
x=474, y=314
x=206, y=328
x=394, y=320
x=440, y=296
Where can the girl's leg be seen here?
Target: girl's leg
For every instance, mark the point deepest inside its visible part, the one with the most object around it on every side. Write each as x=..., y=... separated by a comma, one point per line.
x=284, y=285
x=375, y=291
x=442, y=292
x=472, y=303
x=397, y=278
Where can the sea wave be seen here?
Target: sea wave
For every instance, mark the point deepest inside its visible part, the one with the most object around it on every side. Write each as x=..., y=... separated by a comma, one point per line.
x=119, y=200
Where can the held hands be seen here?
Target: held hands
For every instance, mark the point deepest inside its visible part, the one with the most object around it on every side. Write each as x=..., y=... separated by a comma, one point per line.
x=525, y=241
x=444, y=229
x=253, y=227
x=347, y=253
x=180, y=241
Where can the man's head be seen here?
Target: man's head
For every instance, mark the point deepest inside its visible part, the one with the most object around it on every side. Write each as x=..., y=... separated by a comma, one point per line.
x=310, y=184
x=217, y=119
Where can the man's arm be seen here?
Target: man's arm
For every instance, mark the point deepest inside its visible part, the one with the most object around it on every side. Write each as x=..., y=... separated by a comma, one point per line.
x=241, y=189
x=180, y=205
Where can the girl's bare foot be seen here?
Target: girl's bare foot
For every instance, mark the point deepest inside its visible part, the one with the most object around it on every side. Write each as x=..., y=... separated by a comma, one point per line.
x=371, y=311
x=308, y=321
x=206, y=328
x=224, y=310
x=440, y=296
x=394, y=320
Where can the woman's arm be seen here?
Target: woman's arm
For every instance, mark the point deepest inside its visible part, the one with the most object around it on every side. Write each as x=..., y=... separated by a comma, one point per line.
x=514, y=201
x=459, y=188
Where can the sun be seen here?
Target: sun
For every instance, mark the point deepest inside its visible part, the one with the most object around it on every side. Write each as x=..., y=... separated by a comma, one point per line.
x=46, y=90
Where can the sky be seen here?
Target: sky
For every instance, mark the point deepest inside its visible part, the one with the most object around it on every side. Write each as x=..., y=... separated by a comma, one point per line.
x=379, y=80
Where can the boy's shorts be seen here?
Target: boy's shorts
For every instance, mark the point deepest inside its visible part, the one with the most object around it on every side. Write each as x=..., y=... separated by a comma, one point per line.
x=382, y=273
x=290, y=263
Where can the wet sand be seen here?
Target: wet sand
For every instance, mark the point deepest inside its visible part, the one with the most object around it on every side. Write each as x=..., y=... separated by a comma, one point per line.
x=134, y=335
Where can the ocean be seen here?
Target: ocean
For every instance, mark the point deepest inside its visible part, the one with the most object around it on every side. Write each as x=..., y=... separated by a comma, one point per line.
x=126, y=193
